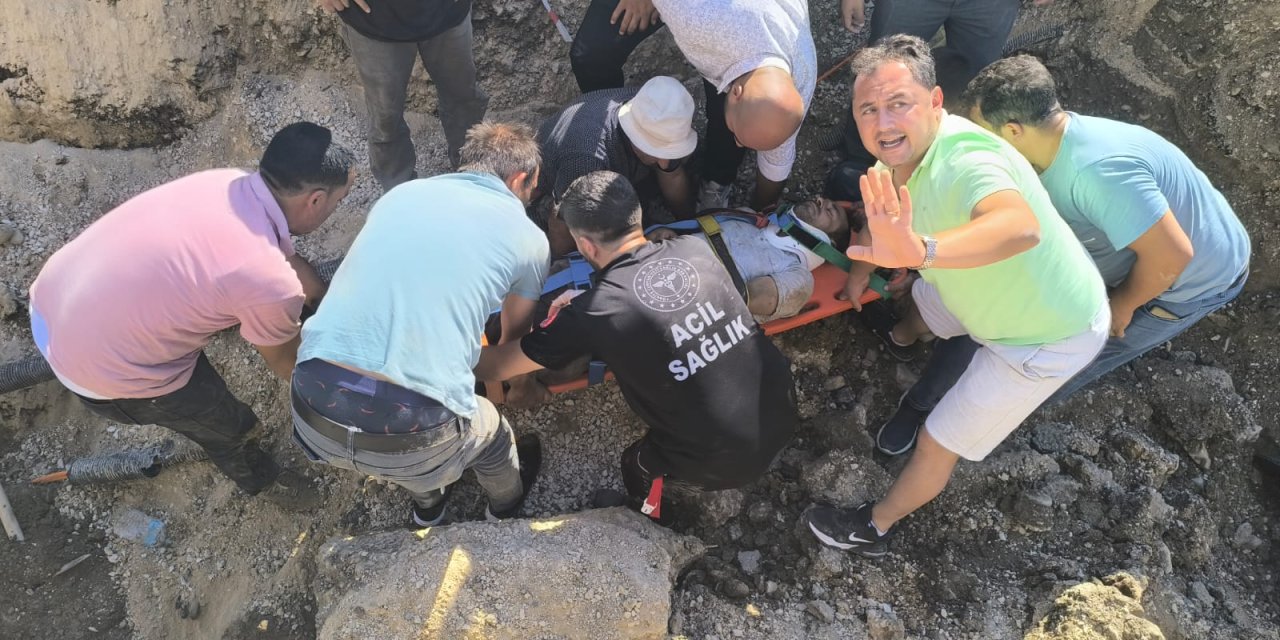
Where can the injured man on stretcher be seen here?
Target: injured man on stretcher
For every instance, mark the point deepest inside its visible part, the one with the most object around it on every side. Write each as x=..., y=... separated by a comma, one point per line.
x=775, y=267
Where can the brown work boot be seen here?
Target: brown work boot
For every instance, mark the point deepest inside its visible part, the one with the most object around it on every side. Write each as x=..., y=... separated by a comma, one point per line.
x=292, y=491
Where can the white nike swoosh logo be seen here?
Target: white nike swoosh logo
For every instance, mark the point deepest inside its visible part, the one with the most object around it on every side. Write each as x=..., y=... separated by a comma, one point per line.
x=853, y=537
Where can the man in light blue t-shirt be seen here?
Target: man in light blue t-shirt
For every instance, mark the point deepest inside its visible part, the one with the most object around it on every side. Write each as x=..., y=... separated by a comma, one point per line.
x=1168, y=245
x=384, y=382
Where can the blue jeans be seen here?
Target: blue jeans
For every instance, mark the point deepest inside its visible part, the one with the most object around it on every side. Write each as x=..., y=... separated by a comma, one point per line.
x=1149, y=330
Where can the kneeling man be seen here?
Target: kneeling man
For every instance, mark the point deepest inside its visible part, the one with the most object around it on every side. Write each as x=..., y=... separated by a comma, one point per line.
x=716, y=394
x=1168, y=245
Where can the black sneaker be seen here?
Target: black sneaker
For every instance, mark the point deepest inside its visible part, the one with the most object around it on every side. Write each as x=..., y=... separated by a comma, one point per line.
x=292, y=491
x=434, y=516
x=849, y=529
x=898, y=434
x=879, y=319
x=529, y=451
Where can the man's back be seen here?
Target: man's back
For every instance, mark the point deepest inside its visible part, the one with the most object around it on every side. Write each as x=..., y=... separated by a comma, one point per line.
x=130, y=302
x=690, y=360
x=583, y=137
x=434, y=259
x=724, y=39
x=1111, y=181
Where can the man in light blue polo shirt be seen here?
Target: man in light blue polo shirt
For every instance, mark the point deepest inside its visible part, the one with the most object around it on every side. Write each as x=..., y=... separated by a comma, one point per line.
x=384, y=382
x=1168, y=245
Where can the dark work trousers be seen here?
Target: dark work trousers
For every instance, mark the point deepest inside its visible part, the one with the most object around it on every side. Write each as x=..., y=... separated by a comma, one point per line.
x=597, y=56
x=385, y=68
x=948, y=361
x=599, y=51
x=205, y=412
x=978, y=29
x=722, y=153
x=639, y=469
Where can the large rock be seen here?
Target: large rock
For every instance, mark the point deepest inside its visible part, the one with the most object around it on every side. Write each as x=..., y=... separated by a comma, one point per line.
x=1106, y=609
x=600, y=574
x=845, y=478
x=1195, y=404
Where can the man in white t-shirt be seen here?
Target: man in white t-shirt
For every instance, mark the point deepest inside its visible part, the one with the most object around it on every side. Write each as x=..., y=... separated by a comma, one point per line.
x=759, y=68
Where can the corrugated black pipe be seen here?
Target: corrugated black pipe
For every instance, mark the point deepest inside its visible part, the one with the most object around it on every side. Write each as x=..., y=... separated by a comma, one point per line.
x=24, y=373
x=15, y=376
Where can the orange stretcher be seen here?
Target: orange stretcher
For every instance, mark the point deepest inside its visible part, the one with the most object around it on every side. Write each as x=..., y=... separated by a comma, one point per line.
x=828, y=282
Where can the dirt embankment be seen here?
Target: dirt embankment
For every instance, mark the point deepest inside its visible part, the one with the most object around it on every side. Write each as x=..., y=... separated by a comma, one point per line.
x=1147, y=474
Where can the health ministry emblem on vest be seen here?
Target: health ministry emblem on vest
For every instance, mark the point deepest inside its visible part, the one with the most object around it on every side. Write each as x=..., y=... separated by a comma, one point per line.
x=669, y=284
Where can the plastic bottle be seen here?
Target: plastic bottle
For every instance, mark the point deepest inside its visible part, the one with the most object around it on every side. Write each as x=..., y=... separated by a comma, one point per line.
x=132, y=524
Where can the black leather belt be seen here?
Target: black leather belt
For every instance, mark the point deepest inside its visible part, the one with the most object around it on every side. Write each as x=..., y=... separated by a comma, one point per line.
x=373, y=442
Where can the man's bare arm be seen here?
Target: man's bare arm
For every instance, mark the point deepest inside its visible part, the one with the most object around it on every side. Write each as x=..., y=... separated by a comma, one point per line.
x=677, y=191
x=503, y=362
x=859, y=273
x=281, y=358
x=767, y=192
x=313, y=287
x=762, y=294
x=1000, y=226
x=1163, y=251
x=516, y=318
x=333, y=6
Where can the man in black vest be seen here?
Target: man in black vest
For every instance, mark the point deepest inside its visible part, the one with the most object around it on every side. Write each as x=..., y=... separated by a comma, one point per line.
x=716, y=394
x=384, y=37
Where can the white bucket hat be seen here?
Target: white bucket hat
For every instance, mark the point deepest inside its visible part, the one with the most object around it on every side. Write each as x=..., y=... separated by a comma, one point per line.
x=659, y=119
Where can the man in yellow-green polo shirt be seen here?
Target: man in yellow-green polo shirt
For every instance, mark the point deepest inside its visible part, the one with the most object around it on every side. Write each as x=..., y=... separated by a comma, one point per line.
x=1014, y=299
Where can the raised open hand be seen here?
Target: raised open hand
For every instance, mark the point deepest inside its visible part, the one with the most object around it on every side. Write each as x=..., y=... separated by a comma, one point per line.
x=893, y=243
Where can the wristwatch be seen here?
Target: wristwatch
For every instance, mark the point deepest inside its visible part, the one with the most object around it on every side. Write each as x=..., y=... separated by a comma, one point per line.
x=930, y=252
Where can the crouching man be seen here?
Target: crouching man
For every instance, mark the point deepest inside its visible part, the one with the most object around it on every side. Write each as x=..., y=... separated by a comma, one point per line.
x=383, y=384
x=124, y=311
x=1164, y=238
x=716, y=394
x=997, y=264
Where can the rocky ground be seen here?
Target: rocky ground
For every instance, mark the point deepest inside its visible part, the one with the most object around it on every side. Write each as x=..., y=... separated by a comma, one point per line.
x=1131, y=511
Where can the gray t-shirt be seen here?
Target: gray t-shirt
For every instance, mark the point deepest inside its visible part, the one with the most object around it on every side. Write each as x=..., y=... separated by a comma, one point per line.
x=724, y=39
x=756, y=256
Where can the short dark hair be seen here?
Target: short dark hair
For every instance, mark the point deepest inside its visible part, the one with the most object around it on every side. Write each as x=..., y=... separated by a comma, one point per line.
x=909, y=50
x=1018, y=89
x=503, y=149
x=601, y=205
x=303, y=156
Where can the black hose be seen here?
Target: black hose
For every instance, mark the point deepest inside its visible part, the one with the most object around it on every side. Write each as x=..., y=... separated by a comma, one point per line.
x=128, y=465
x=18, y=375
x=1032, y=38
x=24, y=373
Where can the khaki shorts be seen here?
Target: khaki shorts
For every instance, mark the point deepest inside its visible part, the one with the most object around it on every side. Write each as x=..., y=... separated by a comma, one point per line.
x=1003, y=383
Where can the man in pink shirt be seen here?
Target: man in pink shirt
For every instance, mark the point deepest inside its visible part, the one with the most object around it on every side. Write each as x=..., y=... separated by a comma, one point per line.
x=122, y=312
